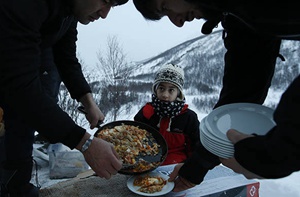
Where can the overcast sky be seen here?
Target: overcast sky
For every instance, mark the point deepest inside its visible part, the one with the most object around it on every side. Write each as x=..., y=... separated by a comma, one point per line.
x=139, y=39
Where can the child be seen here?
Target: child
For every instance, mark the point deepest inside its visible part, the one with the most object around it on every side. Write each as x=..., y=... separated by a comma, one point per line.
x=169, y=114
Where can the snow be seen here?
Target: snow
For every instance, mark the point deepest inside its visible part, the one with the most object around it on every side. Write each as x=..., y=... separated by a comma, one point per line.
x=288, y=186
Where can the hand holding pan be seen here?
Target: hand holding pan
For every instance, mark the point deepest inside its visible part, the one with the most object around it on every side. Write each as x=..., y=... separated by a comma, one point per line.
x=82, y=110
x=154, y=160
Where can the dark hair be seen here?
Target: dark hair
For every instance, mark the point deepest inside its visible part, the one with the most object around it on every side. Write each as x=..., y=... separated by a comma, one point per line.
x=147, y=9
x=119, y=2
x=210, y=10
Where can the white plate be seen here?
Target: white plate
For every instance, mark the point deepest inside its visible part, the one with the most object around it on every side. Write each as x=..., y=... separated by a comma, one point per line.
x=166, y=189
x=247, y=118
x=217, y=144
x=210, y=135
x=213, y=144
x=218, y=147
x=217, y=151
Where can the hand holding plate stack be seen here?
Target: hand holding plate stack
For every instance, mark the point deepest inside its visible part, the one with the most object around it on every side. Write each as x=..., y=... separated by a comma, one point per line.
x=247, y=118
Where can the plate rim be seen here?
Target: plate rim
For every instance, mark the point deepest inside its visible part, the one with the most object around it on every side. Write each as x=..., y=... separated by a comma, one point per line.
x=131, y=187
x=235, y=106
x=208, y=134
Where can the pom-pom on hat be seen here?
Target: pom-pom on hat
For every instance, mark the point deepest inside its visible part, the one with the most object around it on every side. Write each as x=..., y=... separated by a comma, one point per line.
x=172, y=74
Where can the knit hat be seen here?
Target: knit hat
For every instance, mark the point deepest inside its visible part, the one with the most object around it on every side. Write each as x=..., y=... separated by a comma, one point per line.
x=170, y=73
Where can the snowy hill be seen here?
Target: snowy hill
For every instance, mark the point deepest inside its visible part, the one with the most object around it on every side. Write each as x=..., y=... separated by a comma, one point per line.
x=202, y=60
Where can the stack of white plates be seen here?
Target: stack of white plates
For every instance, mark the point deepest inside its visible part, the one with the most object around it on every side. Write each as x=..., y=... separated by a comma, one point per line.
x=247, y=118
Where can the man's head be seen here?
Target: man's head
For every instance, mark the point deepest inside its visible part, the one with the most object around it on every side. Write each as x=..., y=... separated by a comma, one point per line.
x=87, y=11
x=178, y=11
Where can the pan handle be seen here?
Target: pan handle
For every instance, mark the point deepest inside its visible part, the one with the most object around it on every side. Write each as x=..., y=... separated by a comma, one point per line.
x=82, y=110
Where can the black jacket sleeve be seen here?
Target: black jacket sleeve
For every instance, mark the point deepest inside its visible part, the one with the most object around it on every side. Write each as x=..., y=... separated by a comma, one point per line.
x=196, y=166
x=69, y=68
x=276, y=154
x=193, y=130
x=139, y=116
x=20, y=86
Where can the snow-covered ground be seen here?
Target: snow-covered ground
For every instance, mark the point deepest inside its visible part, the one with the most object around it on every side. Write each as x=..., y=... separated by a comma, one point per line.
x=42, y=170
x=284, y=187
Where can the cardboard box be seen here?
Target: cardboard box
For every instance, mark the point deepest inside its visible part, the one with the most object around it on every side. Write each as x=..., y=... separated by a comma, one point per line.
x=250, y=190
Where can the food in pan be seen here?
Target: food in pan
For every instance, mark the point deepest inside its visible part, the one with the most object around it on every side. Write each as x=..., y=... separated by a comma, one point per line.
x=129, y=142
x=149, y=184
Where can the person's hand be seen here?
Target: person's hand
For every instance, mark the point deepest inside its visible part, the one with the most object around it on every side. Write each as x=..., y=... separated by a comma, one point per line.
x=93, y=113
x=234, y=136
x=180, y=182
x=102, y=158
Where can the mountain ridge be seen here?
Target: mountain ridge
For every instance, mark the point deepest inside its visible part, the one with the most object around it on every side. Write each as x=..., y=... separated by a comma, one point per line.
x=202, y=60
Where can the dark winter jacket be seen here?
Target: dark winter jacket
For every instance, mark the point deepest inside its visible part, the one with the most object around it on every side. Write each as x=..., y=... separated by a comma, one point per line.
x=181, y=132
x=252, y=36
x=28, y=26
x=277, y=19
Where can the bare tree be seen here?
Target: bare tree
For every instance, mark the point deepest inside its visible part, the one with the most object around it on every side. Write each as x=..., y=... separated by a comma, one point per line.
x=114, y=71
x=70, y=105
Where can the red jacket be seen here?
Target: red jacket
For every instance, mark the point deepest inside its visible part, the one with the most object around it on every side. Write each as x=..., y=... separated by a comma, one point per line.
x=181, y=132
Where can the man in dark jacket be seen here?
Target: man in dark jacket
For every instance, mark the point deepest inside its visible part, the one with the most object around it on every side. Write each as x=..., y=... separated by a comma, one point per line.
x=252, y=36
x=31, y=32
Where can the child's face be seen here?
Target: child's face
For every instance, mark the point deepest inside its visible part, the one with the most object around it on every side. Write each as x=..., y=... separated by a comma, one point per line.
x=167, y=92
